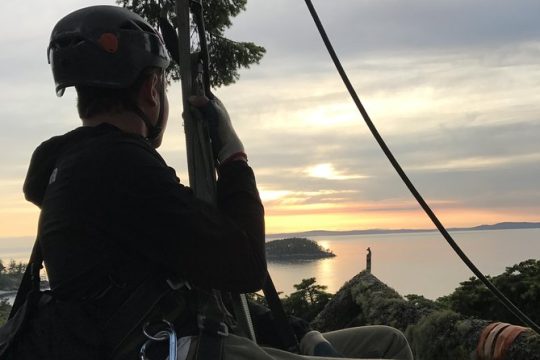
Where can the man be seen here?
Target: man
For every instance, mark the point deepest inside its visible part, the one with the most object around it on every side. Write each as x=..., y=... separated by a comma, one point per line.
x=122, y=240
x=112, y=213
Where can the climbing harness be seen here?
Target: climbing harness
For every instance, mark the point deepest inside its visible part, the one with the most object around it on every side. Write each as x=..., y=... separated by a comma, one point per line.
x=503, y=299
x=153, y=300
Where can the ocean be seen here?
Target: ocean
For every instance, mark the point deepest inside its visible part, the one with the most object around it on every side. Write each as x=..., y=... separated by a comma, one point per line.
x=411, y=263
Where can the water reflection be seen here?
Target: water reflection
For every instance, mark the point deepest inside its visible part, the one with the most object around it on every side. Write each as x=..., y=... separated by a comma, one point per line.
x=419, y=263
x=416, y=263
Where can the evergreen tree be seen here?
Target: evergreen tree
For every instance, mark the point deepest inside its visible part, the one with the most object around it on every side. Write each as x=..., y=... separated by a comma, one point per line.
x=16, y=268
x=11, y=276
x=308, y=299
x=12, y=267
x=3, y=278
x=226, y=56
x=520, y=283
x=5, y=309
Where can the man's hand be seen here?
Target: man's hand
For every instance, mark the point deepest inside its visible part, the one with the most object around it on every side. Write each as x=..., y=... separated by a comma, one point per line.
x=226, y=145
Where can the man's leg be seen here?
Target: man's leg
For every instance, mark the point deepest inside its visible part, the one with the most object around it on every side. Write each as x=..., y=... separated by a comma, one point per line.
x=239, y=348
x=377, y=342
x=374, y=342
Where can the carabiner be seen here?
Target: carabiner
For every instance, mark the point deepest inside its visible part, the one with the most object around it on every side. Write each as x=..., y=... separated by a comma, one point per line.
x=168, y=334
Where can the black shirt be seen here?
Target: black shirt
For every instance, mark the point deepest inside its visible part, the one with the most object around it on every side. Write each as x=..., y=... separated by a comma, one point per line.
x=111, y=208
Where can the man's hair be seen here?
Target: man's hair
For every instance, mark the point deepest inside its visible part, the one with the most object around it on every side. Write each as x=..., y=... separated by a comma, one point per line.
x=92, y=101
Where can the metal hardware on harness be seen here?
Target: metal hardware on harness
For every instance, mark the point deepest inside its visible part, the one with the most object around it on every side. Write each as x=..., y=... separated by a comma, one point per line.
x=175, y=285
x=212, y=326
x=168, y=334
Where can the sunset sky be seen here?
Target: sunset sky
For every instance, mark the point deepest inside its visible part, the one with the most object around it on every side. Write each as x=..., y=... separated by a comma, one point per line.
x=453, y=86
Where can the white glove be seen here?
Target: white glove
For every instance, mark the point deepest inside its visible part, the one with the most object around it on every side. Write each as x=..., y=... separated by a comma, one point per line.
x=226, y=145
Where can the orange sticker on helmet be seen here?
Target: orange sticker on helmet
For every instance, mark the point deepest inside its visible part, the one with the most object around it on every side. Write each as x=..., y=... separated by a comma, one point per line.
x=109, y=42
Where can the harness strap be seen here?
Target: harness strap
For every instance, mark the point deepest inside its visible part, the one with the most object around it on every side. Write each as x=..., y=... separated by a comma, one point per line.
x=285, y=333
x=210, y=345
x=214, y=322
x=30, y=280
x=152, y=300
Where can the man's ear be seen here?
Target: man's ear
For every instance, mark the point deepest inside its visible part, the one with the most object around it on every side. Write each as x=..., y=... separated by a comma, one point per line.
x=149, y=92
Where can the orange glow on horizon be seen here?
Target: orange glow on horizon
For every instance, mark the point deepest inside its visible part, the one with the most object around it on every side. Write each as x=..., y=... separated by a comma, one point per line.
x=19, y=222
x=22, y=218
x=354, y=218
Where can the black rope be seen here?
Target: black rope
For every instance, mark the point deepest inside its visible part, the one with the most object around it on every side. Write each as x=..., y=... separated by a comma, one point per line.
x=285, y=333
x=505, y=301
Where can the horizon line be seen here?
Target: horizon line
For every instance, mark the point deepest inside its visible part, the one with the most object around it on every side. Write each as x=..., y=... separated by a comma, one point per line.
x=504, y=225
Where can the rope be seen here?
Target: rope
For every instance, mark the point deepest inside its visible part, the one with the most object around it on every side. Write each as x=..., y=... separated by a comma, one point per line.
x=504, y=300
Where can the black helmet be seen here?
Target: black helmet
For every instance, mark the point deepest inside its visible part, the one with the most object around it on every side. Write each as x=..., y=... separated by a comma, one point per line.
x=103, y=46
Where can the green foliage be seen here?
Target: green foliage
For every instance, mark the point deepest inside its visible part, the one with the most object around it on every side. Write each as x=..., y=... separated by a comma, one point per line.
x=380, y=304
x=438, y=336
x=420, y=302
x=5, y=308
x=298, y=248
x=15, y=268
x=11, y=276
x=520, y=283
x=226, y=56
x=2, y=277
x=309, y=299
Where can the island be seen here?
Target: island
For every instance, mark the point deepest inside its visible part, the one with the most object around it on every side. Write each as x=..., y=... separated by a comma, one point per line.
x=292, y=249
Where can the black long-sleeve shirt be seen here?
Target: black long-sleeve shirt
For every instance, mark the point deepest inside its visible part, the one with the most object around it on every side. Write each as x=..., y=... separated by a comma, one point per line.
x=111, y=206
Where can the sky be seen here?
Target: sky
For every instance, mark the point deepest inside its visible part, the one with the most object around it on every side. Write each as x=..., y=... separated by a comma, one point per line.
x=452, y=85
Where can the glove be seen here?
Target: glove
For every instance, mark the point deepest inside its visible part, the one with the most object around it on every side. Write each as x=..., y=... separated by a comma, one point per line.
x=226, y=145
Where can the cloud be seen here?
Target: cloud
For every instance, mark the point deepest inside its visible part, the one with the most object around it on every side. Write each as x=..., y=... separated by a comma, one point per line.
x=479, y=166
x=363, y=27
x=451, y=85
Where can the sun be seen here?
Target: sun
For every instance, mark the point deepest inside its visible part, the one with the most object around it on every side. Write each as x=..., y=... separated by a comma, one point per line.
x=328, y=171
x=325, y=171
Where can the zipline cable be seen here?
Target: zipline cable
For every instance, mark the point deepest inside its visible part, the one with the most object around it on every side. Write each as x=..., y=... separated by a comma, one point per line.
x=503, y=299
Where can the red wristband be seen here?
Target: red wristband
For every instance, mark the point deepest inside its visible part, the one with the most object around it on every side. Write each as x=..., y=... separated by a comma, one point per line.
x=239, y=156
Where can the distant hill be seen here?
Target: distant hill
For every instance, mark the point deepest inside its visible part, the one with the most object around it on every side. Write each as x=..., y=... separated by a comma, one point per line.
x=508, y=226
x=498, y=226
x=296, y=249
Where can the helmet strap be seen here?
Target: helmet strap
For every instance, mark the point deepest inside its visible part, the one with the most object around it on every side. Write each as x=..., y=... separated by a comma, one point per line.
x=153, y=130
x=159, y=123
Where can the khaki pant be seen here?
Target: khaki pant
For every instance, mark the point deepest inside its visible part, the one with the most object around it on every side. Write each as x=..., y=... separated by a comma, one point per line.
x=366, y=342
